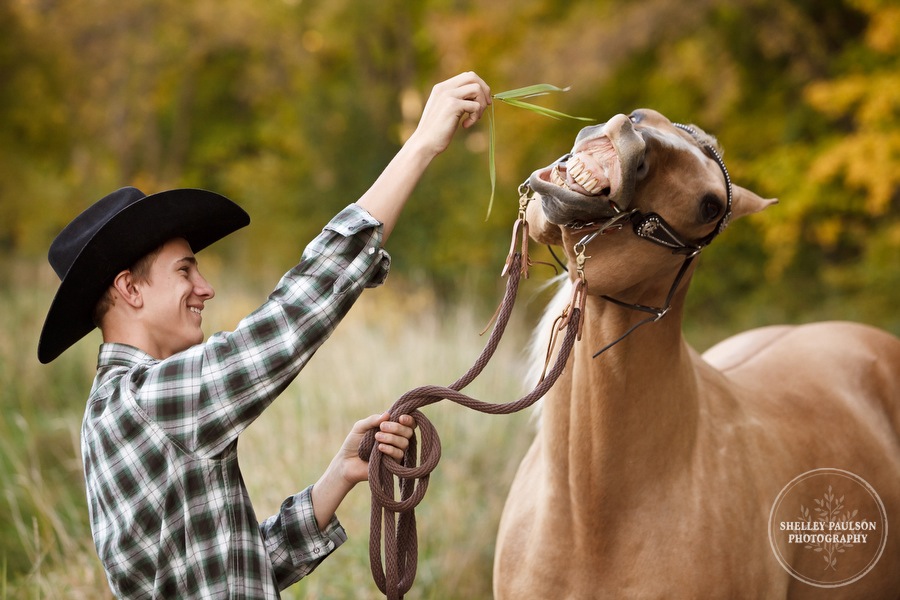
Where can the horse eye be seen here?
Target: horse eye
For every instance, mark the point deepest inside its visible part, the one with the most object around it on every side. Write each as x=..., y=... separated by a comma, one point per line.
x=710, y=206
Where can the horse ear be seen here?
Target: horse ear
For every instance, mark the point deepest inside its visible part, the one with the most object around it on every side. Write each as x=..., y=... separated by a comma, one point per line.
x=746, y=202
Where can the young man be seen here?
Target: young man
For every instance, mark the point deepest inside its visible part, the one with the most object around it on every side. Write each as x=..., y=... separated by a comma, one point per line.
x=170, y=514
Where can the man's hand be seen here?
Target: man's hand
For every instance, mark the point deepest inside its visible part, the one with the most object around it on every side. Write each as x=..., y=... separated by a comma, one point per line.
x=392, y=438
x=461, y=98
x=347, y=469
x=465, y=97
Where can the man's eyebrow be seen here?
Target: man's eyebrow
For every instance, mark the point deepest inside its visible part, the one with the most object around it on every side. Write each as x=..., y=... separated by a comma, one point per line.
x=188, y=259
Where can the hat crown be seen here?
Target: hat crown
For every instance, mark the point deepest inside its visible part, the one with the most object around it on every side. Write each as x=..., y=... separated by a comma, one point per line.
x=77, y=234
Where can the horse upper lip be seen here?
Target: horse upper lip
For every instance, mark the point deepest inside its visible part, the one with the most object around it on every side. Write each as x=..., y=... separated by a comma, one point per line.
x=602, y=166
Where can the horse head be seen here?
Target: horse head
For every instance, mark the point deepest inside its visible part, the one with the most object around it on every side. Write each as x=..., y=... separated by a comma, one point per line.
x=634, y=179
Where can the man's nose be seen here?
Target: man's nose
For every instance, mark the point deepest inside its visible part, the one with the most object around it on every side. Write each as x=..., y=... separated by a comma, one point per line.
x=204, y=289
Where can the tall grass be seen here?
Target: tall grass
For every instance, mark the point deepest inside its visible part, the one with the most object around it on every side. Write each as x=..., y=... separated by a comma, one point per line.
x=45, y=544
x=393, y=340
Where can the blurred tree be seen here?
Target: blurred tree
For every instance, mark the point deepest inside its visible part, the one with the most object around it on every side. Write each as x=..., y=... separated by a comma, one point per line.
x=294, y=107
x=839, y=232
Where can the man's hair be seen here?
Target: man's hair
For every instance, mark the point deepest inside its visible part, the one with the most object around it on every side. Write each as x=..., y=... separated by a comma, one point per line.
x=140, y=272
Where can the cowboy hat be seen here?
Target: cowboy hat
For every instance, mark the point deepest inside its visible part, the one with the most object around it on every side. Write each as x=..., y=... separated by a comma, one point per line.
x=111, y=235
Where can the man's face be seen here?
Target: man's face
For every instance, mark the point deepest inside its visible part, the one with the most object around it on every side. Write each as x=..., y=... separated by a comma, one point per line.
x=173, y=299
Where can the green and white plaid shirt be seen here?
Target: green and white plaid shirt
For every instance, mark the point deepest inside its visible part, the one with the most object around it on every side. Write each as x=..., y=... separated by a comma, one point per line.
x=170, y=514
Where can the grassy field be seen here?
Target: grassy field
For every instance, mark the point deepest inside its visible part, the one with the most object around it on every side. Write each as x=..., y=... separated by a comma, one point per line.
x=393, y=340
x=396, y=338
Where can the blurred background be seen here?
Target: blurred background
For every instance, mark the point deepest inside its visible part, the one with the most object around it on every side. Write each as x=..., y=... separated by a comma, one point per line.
x=292, y=108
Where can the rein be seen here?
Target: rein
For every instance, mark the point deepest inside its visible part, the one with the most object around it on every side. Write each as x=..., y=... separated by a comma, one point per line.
x=393, y=521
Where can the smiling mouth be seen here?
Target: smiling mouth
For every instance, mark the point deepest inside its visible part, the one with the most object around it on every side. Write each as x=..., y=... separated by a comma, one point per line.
x=583, y=180
x=583, y=186
x=194, y=309
x=594, y=170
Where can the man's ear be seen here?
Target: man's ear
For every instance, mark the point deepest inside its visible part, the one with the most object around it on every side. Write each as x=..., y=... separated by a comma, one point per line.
x=125, y=287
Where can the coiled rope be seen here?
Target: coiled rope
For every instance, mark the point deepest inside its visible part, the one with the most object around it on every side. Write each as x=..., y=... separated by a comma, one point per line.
x=393, y=521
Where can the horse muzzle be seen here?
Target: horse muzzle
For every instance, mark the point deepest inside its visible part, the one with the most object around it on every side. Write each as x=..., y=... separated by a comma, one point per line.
x=596, y=180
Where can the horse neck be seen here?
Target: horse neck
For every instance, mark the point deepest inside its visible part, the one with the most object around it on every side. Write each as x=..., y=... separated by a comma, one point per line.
x=627, y=417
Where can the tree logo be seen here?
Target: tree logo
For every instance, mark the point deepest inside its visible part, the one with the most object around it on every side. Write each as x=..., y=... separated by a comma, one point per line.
x=828, y=527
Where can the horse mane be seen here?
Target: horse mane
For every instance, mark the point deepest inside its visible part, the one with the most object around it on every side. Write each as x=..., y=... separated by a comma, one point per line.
x=704, y=138
x=536, y=349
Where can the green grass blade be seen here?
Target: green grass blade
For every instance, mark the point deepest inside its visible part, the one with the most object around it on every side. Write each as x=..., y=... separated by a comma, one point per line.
x=547, y=112
x=492, y=167
x=540, y=89
x=514, y=98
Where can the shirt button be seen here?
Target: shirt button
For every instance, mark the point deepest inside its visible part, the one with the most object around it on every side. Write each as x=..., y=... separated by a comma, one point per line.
x=316, y=550
x=371, y=251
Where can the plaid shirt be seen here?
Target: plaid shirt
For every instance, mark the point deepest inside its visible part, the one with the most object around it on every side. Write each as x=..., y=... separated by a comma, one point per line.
x=170, y=515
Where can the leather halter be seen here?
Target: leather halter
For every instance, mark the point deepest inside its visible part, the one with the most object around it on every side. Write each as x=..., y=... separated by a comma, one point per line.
x=653, y=228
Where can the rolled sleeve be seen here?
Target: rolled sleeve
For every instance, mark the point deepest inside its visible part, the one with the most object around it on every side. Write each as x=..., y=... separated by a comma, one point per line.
x=294, y=541
x=355, y=219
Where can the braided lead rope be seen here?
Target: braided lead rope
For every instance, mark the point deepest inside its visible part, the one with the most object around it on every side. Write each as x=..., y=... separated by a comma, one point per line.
x=394, y=521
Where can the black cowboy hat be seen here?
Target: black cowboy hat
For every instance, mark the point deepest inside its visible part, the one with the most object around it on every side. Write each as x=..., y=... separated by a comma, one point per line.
x=111, y=235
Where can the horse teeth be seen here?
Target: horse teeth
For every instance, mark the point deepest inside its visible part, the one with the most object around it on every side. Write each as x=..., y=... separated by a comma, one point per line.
x=591, y=185
x=575, y=166
x=587, y=180
x=556, y=178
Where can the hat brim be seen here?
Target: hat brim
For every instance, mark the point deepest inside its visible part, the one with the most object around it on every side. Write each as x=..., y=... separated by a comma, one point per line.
x=199, y=216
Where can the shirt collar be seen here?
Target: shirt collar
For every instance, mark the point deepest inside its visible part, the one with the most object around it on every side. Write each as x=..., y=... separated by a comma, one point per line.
x=122, y=355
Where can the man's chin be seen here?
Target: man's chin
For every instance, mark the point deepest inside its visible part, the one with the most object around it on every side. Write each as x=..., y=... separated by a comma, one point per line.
x=188, y=343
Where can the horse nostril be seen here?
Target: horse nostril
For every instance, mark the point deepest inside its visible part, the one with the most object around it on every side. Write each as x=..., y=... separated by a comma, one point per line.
x=642, y=170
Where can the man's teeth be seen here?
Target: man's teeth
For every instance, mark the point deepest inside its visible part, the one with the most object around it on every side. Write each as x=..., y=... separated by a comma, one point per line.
x=195, y=309
x=579, y=173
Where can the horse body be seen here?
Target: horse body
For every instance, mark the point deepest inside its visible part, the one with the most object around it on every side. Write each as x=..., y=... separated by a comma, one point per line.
x=654, y=469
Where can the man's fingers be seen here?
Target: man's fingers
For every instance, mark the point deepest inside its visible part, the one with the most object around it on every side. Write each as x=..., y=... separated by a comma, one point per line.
x=408, y=421
x=395, y=453
x=393, y=436
x=397, y=441
x=403, y=428
x=370, y=422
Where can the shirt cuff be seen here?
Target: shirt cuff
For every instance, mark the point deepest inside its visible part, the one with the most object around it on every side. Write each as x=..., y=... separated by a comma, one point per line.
x=307, y=543
x=355, y=219
x=352, y=220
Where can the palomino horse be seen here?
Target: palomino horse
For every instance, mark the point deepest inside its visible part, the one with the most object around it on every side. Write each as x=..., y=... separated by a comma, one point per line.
x=656, y=472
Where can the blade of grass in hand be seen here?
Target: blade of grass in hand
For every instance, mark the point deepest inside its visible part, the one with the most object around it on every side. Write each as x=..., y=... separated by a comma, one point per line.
x=540, y=89
x=491, y=166
x=541, y=110
x=514, y=98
